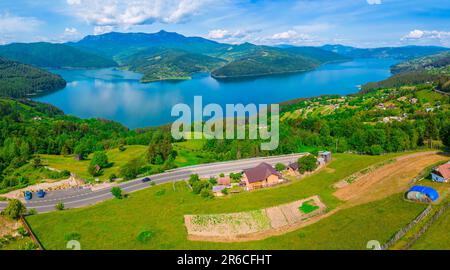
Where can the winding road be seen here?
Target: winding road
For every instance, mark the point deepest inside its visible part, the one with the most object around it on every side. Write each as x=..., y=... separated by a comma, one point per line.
x=79, y=197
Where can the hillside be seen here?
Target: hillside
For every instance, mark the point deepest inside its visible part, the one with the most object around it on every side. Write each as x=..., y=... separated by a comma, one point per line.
x=169, y=64
x=321, y=55
x=44, y=54
x=20, y=80
x=116, y=44
x=437, y=63
x=402, y=53
x=265, y=61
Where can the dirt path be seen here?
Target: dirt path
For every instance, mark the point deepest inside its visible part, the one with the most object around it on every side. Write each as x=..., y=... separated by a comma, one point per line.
x=387, y=180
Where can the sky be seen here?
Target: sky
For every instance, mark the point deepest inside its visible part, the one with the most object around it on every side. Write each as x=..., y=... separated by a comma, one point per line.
x=360, y=23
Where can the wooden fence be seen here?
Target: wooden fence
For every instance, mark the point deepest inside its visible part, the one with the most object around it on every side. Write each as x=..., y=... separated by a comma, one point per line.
x=30, y=232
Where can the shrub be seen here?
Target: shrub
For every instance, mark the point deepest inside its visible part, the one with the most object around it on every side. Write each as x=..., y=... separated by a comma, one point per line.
x=212, y=180
x=236, y=177
x=193, y=179
x=31, y=212
x=112, y=177
x=117, y=192
x=225, y=191
x=280, y=167
x=59, y=206
x=131, y=169
x=14, y=209
x=22, y=231
x=307, y=163
x=145, y=236
x=200, y=185
x=72, y=236
x=206, y=193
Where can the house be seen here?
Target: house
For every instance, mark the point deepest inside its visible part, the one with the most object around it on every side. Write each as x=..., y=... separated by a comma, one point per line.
x=413, y=100
x=422, y=194
x=260, y=176
x=217, y=190
x=325, y=155
x=224, y=181
x=441, y=173
x=292, y=169
x=429, y=109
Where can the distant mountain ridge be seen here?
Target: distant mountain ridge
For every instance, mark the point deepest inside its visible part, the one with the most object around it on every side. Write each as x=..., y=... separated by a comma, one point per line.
x=43, y=54
x=401, y=53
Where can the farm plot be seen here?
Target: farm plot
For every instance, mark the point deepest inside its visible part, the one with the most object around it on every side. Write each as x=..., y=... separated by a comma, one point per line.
x=253, y=225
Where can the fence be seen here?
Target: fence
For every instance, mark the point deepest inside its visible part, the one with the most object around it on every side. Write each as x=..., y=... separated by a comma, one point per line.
x=406, y=229
x=430, y=222
x=30, y=232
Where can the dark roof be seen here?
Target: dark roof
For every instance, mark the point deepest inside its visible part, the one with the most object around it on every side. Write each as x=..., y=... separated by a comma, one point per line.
x=430, y=192
x=293, y=165
x=260, y=172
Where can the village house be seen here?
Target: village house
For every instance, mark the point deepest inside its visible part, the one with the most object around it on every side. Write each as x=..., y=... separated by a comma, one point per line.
x=263, y=175
x=325, y=155
x=441, y=173
x=292, y=169
x=224, y=181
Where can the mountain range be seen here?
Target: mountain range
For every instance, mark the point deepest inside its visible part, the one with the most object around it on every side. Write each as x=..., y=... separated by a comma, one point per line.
x=172, y=56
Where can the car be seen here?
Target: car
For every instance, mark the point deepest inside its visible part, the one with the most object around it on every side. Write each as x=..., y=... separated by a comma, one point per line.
x=40, y=193
x=28, y=195
x=146, y=179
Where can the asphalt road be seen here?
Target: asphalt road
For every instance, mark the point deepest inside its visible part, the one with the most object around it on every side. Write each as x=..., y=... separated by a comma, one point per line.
x=73, y=198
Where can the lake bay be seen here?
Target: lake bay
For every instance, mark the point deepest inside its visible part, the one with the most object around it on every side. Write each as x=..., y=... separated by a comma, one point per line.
x=118, y=95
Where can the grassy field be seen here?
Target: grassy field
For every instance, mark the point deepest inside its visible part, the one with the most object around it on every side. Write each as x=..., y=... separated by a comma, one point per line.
x=189, y=153
x=141, y=212
x=437, y=236
x=116, y=157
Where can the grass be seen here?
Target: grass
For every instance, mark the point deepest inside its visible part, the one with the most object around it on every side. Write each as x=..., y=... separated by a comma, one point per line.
x=428, y=96
x=437, y=236
x=160, y=209
x=307, y=207
x=115, y=156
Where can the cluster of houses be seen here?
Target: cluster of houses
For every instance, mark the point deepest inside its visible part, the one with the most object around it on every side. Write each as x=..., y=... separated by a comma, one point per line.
x=264, y=175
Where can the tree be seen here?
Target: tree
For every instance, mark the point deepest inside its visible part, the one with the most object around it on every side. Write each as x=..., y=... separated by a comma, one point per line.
x=117, y=192
x=213, y=180
x=101, y=159
x=280, y=167
x=307, y=163
x=14, y=209
x=194, y=178
x=36, y=162
x=131, y=169
x=60, y=206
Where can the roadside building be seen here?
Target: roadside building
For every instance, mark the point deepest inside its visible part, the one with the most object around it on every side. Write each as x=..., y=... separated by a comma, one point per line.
x=292, y=169
x=217, y=190
x=325, y=155
x=224, y=181
x=422, y=194
x=441, y=173
x=263, y=175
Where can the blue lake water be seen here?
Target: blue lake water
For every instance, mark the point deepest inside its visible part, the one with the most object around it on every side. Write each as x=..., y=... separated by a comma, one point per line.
x=118, y=95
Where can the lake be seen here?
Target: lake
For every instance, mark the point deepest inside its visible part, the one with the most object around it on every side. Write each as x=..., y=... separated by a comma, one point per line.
x=118, y=95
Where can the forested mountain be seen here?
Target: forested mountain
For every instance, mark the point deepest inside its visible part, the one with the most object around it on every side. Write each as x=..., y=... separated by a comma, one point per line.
x=241, y=60
x=403, y=53
x=265, y=61
x=125, y=44
x=437, y=63
x=43, y=54
x=21, y=80
x=170, y=64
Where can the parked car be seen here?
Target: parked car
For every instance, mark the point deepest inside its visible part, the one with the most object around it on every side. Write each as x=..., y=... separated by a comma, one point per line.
x=28, y=195
x=146, y=179
x=40, y=193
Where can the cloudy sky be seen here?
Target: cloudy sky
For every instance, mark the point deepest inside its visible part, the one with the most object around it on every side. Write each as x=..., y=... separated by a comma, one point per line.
x=362, y=23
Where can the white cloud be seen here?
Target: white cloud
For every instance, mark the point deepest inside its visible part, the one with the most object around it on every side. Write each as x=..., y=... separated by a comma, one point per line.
x=374, y=2
x=430, y=37
x=98, y=30
x=291, y=37
x=12, y=24
x=237, y=36
x=126, y=13
x=425, y=34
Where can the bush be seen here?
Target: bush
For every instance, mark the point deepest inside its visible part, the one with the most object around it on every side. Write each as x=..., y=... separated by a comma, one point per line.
x=22, y=231
x=72, y=236
x=117, y=192
x=201, y=185
x=213, y=180
x=307, y=164
x=225, y=191
x=32, y=211
x=236, y=177
x=194, y=178
x=206, y=193
x=59, y=206
x=145, y=236
x=131, y=169
x=280, y=167
x=112, y=177
x=376, y=149
x=14, y=209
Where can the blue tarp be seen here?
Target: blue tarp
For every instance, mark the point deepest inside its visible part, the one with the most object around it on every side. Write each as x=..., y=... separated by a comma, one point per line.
x=430, y=192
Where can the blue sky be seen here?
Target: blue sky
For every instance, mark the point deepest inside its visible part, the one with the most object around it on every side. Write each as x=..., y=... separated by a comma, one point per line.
x=361, y=23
